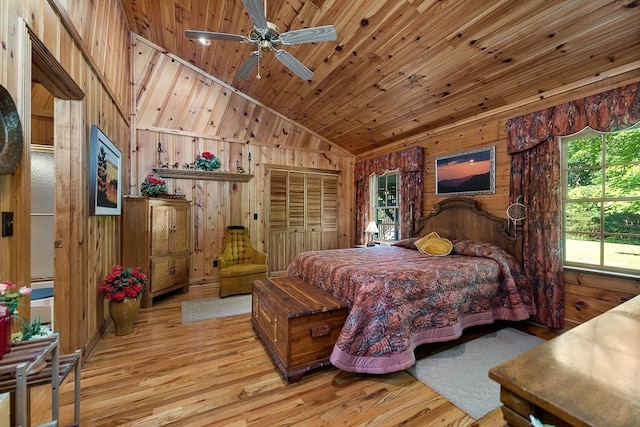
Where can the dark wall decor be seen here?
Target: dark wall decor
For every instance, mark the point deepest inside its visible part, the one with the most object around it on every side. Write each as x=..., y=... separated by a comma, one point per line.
x=410, y=163
x=10, y=134
x=536, y=174
x=105, y=175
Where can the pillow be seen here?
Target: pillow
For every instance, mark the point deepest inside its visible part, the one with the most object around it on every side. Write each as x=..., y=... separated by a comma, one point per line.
x=406, y=243
x=418, y=243
x=433, y=244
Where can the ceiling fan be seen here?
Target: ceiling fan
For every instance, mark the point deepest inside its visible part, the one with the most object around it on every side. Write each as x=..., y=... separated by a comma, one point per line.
x=266, y=36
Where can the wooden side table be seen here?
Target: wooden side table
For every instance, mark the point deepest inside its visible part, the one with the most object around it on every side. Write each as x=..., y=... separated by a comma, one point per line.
x=587, y=376
x=38, y=362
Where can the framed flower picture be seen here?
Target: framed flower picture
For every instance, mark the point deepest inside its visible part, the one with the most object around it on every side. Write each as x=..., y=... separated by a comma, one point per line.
x=105, y=175
x=468, y=173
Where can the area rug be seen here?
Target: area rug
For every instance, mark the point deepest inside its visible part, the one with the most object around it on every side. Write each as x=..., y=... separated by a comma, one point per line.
x=461, y=374
x=213, y=308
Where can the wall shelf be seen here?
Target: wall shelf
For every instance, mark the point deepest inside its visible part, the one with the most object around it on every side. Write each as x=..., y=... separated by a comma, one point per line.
x=204, y=175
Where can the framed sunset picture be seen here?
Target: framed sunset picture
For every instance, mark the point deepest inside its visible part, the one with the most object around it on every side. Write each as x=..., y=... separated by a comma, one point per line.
x=468, y=173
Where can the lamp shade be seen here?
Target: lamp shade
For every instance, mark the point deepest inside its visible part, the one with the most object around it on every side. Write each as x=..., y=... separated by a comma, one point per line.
x=371, y=227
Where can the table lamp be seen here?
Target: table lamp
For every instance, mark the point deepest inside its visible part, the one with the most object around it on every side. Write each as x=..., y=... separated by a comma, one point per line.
x=372, y=228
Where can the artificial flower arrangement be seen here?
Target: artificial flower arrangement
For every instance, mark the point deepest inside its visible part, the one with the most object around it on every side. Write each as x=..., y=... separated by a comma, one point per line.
x=9, y=300
x=122, y=283
x=10, y=296
x=207, y=161
x=31, y=331
x=153, y=187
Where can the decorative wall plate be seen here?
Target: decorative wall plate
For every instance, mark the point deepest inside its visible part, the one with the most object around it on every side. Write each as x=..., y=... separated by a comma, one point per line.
x=10, y=134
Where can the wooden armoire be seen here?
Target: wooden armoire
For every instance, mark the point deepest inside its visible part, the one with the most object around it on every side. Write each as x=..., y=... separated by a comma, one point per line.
x=302, y=214
x=156, y=236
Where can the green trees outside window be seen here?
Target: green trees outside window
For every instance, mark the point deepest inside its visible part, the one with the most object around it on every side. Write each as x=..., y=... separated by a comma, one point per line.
x=601, y=200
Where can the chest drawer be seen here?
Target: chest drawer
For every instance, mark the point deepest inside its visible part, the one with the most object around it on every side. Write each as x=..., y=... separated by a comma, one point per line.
x=297, y=323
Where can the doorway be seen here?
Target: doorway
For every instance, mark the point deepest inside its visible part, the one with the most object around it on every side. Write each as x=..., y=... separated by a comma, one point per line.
x=56, y=121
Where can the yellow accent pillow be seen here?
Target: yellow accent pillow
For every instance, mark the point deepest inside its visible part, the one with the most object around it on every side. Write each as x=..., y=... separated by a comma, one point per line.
x=433, y=244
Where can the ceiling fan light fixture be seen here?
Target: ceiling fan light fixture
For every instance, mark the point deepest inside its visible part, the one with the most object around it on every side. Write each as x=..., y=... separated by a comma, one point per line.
x=266, y=37
x=265, y=46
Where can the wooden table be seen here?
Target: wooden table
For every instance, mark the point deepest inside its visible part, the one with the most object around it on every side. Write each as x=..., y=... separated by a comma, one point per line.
x=588, y=376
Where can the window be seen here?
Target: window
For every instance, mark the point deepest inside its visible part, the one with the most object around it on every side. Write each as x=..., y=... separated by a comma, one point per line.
x=601, y=200
x=386, y=204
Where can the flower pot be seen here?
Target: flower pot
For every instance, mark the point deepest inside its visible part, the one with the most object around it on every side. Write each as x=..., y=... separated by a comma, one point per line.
x=124, y=314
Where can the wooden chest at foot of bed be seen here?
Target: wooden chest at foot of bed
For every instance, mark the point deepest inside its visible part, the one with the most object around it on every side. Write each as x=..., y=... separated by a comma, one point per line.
x=297, y=323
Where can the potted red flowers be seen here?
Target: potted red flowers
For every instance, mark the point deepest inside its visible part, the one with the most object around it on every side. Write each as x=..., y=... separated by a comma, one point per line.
x=122, y=287
x=153, y=187
x=207, y=161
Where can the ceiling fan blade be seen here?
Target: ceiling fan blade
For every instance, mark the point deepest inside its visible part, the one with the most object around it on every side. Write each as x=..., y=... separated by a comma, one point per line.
x=210, y=35
x=248, y=66
x=294, y=65
x=257, y=15
x=325, y=33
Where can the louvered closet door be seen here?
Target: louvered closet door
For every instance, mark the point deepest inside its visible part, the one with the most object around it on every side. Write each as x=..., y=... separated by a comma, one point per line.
x=329, y=212
x=313, y=214
x=303, y=210
x=278, y=250
x=296, y=214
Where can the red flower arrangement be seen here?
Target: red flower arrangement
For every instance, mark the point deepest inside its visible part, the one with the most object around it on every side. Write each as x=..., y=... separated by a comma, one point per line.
x=207, y=161
x=122, y=283
x=153, y=187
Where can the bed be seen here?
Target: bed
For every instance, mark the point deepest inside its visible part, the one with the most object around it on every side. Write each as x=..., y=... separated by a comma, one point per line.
x=399, y=298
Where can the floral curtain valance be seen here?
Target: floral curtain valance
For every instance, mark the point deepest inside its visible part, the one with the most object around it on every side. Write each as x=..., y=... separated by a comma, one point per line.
x=409, y=160
x=608, y=111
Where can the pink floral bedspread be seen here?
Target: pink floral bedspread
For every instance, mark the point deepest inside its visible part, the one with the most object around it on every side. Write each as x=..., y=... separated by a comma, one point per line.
x=400, y=298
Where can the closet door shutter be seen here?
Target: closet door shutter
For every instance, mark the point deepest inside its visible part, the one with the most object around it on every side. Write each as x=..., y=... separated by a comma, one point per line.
x=329, y=221
x=296, y=214
x=313, y=216
x=278, y=251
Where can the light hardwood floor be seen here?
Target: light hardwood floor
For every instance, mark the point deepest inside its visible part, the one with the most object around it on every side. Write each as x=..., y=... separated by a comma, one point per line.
x=216, y=372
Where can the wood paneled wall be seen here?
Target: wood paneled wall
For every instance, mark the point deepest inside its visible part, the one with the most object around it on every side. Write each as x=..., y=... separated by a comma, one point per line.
x=218, y=204
x=90, y=42
x=188, y=112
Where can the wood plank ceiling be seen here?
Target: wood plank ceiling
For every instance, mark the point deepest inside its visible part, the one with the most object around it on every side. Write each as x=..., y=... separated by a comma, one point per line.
x=404, y=67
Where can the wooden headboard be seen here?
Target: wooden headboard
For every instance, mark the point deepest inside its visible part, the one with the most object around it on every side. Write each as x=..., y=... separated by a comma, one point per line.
x=459, y=218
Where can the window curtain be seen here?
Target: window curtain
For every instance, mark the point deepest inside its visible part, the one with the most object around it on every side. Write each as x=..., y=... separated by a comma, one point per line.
x=536, y=174
x=410, y=163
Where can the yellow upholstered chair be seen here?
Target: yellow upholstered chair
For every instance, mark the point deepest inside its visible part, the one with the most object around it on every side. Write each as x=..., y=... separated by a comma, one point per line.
x=240, y=263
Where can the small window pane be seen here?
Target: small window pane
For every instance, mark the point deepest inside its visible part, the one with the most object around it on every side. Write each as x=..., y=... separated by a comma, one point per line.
x=584, y=184
x=584, y=152
x=582, y=217
x=623, y=147
x=585, y=250
x=382, y=184
x=623, y=253
x=623, y=181
x=622, y=217
x=391, y=183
